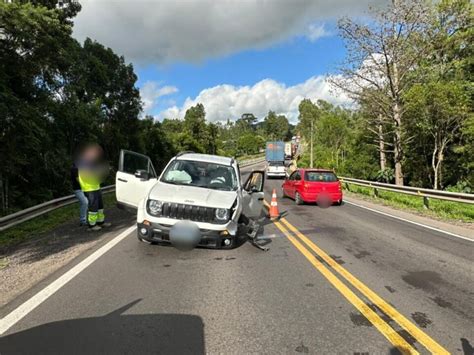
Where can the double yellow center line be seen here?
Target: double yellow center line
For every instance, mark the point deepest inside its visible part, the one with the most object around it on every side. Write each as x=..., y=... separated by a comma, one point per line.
x=330, y=272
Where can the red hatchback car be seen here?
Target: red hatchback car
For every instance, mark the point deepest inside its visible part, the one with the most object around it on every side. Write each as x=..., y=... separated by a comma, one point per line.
x=313, y=185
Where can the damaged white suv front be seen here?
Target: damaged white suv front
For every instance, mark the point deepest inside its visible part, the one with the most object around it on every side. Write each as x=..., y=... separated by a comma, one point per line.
x=199, y=199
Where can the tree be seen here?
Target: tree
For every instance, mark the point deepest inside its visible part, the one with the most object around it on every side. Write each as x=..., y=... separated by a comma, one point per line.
x=309, y=114
x=276, y=127
x=32, y=41
x=249, y=118
x=155, y=142
x=250, y=143
x=381, y=55
x=438, y=109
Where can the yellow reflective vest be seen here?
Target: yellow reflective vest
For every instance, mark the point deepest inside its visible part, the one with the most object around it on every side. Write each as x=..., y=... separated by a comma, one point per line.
x=89, y=182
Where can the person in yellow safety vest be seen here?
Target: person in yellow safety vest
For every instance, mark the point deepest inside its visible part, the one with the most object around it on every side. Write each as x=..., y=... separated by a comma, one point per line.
x=91, y=172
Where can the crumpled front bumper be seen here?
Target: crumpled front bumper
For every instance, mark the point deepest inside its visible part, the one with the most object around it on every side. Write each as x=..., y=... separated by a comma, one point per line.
x=214, y=239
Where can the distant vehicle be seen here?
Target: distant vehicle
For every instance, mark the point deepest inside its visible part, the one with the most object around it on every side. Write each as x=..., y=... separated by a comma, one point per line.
x=276, y=169
x=313, y=185
x=275, y=151
x=288, y=150
x=199, y=199
x=275, y=157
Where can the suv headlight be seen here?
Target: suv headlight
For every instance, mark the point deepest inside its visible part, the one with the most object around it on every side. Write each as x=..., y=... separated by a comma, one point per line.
x=155, y=207
x=222, y=214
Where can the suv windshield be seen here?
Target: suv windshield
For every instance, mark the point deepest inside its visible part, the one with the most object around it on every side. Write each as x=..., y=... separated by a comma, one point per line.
x=320, y=176
x=201, y=174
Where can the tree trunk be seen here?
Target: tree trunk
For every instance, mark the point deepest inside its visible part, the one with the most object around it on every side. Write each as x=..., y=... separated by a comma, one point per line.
x=383, y=158
x=437, y=160
x=397, y=117
x=434, y=166
x=398, y=149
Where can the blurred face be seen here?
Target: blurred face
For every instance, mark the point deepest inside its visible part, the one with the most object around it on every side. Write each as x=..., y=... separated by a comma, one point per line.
x=92, y=161
x=92, y=153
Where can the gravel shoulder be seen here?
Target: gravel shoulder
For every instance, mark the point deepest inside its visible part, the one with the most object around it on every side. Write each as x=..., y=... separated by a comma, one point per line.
x=25, y=265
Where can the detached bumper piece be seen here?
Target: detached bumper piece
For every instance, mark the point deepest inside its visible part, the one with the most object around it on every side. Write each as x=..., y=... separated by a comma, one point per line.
x=158, y=233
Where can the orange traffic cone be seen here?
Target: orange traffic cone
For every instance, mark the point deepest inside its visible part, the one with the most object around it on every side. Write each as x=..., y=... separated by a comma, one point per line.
x=274, y=213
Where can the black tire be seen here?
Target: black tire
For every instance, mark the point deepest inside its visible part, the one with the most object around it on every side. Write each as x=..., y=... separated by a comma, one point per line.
x=298, y=199
x=339, y=203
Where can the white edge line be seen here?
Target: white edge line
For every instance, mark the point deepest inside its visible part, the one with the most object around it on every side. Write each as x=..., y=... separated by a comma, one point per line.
x=412, y=222
x=21, y=311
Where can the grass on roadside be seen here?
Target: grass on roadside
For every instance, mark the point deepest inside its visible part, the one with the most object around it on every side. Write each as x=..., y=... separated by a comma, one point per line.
x=45, y=223
x=438, y=208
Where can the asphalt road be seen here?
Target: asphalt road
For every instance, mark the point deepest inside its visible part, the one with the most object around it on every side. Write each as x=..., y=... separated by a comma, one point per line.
x=339, y=280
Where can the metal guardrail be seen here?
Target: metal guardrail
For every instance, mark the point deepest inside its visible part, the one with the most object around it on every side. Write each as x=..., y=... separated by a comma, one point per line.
x=251, y=162
x=426, y=194
x=45, y=207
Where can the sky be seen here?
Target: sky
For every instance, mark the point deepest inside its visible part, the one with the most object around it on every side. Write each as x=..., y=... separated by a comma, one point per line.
x=234, y=56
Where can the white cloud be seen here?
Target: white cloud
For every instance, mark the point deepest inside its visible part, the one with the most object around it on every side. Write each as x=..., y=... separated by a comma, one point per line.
x=151, y=91
x=227, y=101
x=163, y=31
x=315, y=32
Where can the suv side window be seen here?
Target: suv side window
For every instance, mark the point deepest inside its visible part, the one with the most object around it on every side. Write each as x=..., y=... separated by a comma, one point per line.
x=297, y=176
x=130, y=162
x=293, y=176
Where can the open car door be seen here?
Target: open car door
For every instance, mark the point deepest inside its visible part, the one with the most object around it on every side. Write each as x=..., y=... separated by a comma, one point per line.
x=135, y=177
x=252, y=199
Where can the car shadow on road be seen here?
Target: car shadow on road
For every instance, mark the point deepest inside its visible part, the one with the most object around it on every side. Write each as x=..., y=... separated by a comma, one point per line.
x=114, y=333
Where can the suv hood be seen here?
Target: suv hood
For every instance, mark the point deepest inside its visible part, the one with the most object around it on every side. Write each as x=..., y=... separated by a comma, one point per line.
x=191, y=195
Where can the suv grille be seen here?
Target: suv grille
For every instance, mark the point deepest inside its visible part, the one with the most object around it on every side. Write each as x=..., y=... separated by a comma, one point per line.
x=188, y=212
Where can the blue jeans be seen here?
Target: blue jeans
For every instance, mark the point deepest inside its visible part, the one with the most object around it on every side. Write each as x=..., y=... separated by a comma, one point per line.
x=83, y=202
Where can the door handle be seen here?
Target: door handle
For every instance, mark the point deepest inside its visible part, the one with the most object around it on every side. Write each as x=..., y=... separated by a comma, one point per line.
x=123, y=180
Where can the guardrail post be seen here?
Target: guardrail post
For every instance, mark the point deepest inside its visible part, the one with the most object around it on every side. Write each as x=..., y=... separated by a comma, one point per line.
x=347, y=186
x=376, y=192
x=426, y=202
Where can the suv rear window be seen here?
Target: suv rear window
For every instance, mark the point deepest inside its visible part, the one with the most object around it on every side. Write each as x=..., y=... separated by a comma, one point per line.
x=320, y=176
x=276, y=163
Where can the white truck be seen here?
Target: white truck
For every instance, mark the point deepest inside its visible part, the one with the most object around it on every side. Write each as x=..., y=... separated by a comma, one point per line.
x=288, y=150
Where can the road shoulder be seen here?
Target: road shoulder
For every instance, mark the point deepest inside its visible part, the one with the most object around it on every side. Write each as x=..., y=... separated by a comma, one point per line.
x=463, y=229
x=26, y=265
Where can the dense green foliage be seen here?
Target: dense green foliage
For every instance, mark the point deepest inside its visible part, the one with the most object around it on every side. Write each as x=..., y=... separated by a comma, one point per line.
x=427, y=124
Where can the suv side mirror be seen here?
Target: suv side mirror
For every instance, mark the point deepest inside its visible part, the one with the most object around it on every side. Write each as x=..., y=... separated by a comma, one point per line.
x=142, y=174
x=255, y=182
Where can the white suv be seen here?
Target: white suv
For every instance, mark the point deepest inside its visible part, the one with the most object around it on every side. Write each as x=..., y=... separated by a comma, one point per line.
x=199, y=199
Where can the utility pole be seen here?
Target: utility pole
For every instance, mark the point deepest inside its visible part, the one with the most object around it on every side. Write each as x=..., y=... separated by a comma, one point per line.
x=311, y=150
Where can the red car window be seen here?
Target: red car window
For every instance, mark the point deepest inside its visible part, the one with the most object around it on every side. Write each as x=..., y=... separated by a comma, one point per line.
x=318, y=176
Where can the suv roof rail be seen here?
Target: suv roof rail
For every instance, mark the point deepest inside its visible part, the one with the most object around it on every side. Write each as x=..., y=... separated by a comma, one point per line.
x=184, y=152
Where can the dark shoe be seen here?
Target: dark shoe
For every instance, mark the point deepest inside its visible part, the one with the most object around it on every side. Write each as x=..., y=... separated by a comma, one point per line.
x=83, y=224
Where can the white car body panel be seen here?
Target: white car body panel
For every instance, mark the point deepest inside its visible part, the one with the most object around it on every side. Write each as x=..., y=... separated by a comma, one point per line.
x=192, y=195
